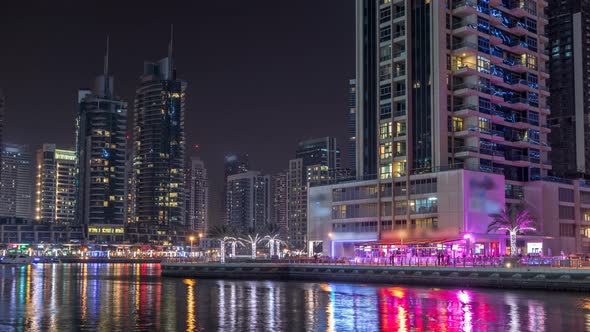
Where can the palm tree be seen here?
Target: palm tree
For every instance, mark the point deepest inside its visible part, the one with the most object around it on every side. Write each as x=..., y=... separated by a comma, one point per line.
x=234, y=242
x=513, y=221
x=274, y=232
x=224, y=234
x=254, y=239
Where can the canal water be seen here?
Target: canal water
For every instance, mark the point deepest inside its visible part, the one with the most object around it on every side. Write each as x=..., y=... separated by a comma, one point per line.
x=133, y=297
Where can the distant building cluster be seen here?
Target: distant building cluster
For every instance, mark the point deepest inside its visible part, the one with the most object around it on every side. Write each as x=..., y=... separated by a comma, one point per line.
x=112, y=187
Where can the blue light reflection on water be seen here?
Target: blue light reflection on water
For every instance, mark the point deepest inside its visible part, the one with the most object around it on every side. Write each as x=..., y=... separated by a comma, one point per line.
x=133, y=297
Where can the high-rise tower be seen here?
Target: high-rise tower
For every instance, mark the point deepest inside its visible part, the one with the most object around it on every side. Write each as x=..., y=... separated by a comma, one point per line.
x=100, y=146
x=56, y=185
x=159, y=145
x=279, y=199
x=198, y=207
x=315, y=160
x=233, y=163
x=569, y=65
x=442, y=85
x=248, y=201
x=17, y=182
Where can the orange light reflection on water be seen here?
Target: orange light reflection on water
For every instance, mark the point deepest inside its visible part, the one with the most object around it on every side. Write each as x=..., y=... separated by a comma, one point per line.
x=191, y=318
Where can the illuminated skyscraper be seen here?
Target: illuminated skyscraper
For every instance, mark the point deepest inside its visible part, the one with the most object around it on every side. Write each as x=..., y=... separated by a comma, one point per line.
x=159, y=145
x=279, y=199
x=233, y=163
x=198, y=207
x=56, y=185
x=17, y=183
x=248, y=201
x=315, y=159
x=100, y=146
x=443, y=83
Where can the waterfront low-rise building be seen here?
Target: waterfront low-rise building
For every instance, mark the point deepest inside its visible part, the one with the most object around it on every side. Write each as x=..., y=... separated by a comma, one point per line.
x=26, y=231
x=448, y=209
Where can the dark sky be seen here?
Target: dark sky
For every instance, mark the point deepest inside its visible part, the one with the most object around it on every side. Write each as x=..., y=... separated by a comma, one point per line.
x=261, y=74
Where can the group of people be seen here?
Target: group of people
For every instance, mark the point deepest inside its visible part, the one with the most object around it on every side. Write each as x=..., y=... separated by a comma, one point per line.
x=441, y=258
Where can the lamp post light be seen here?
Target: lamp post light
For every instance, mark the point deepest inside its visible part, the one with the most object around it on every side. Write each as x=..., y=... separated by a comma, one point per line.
x=192, y=238
x=467, y=251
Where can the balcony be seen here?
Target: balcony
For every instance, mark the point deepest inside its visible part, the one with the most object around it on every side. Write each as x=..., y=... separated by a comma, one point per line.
x=399, y=56
x=399, y=94
x=498, y=155
x=465, y=48
x=495, y=14
x=399, y=75
x=465, y=110
x=515, y=8
x=464, y=8
x=465, y=69
x=520, y=160
x=518, y=103
x=518, y=47
x=465, y=89
x=399, y=15
x=466, y=152
x=399, y=114
x=518, y=28
x=464, y=28
x=398, y=35
x=514, y=65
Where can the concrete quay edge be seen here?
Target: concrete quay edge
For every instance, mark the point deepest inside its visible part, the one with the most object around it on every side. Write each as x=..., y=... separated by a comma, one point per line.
x=487, y=277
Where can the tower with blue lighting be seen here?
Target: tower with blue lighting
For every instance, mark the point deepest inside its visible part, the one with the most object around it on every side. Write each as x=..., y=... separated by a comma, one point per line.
x=159, y=146
x=101, y=125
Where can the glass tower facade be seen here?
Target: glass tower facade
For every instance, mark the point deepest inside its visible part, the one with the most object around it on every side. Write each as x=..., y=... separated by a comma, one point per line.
x=569, y=65
x=101, y=125
x=159, y=146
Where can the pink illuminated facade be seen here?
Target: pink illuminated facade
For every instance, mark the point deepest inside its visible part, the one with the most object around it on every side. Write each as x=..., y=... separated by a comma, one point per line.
x=450, y=209
x=439, y=208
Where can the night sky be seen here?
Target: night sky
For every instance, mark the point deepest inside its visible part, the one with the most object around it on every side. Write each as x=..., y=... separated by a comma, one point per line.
x=261, y=75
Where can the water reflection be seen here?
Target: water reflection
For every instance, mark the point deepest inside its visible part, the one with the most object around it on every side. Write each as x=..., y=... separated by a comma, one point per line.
x=132, y=297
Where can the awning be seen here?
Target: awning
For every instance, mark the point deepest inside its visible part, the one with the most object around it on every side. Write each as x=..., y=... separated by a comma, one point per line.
x=410, y=242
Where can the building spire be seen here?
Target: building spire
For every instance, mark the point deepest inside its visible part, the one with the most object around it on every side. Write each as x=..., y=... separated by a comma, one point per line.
x=106, y=70
x=170, y=60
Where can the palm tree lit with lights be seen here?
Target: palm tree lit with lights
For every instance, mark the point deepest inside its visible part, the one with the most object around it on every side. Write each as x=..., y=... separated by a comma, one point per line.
x=513, y=221
x=224, y=234
x=254, y=239
x=234, y=242
x=274, y=239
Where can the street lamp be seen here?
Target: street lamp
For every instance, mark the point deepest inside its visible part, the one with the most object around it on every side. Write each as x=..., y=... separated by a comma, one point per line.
x=192, y=238
x=331, y=245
